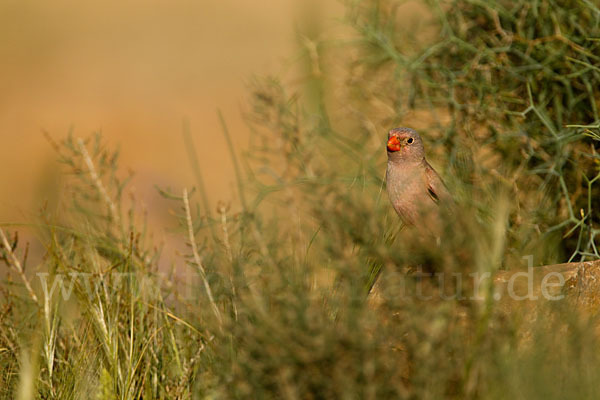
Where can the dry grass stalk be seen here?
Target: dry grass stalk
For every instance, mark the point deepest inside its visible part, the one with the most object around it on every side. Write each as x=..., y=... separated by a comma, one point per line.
x=14, y=262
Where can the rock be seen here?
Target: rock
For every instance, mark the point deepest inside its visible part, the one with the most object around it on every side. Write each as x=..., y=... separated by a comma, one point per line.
x=577, y=282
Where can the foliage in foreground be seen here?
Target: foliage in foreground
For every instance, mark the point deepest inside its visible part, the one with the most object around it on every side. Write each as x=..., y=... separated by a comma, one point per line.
x=271, y=301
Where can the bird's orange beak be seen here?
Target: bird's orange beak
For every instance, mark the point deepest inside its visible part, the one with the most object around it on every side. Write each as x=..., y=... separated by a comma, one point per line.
x=394, y=144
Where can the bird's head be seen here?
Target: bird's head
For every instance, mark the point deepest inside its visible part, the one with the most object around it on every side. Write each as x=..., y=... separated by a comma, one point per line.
x=405, y=144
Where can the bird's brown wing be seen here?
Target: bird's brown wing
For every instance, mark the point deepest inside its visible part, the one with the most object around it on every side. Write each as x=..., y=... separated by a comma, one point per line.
x=435, y=186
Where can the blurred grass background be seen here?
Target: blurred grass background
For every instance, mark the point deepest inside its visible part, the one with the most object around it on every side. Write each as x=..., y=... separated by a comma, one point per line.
x=134, y=70
x=268, y=298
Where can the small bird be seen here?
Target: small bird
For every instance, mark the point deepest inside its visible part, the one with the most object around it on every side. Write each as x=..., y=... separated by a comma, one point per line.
x=414, y=188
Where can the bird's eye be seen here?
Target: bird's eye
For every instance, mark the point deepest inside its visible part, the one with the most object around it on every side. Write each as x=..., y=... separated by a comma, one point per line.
x=410, y=140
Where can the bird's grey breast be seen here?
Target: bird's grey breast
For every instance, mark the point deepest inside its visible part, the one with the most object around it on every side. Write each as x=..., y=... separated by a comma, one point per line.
x=406, y=186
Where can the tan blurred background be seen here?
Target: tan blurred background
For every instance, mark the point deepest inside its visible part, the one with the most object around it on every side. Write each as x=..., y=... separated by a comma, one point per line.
x=134, y=70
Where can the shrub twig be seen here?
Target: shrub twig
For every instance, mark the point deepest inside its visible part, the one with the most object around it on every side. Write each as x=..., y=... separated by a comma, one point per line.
x=13, y=261
x=197, y=260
